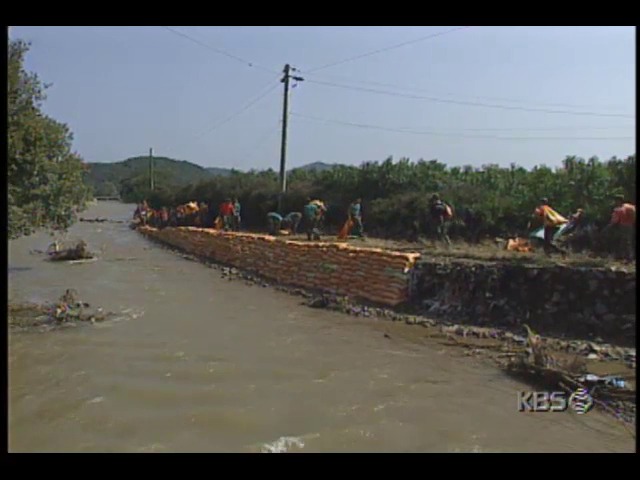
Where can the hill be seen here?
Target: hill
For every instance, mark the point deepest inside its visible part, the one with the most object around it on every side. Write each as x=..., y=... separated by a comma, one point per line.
x=121, y=178
x=110, y=178
x=316, y=166
x=222, y=172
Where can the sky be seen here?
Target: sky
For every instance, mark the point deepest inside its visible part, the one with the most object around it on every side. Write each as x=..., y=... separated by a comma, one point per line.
x=463, y=96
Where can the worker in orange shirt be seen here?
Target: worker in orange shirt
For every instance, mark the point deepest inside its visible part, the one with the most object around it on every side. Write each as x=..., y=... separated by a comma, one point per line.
x=551, y=221
x=623, y=221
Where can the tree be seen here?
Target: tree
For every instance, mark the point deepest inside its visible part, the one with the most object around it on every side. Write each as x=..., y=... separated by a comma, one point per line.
x=106, y=189
x=45, y=178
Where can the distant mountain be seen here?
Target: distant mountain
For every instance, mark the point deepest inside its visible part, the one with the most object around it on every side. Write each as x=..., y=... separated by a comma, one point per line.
x=109, y=178
x=216, y=171
x=316, y=166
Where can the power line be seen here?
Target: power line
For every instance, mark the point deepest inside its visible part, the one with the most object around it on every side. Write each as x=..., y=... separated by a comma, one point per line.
x=385, y=49
x=535, y=129
x=245, y=107
x=529, y=129
x=251, y=151
x=472, y=104
x=440, y=134
x=416, y=89
x=219, y=51
x=238, y=112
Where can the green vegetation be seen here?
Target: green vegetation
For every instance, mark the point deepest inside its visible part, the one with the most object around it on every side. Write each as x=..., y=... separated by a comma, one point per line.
x=45, y=178
x=130, y=178
x=495, y=200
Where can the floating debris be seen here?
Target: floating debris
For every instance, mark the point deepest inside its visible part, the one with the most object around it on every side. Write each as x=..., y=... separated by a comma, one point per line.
x=69, y=310
x=539, y=365
x=79, y=252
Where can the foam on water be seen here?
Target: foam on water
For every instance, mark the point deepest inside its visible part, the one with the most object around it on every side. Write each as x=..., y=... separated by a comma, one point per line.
x=282, y=445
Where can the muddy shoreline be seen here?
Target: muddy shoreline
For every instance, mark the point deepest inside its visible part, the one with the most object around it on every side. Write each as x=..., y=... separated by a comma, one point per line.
x=444, y=327
x=571, y=301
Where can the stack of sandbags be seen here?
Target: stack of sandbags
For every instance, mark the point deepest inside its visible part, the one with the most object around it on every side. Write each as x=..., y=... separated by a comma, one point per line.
x=178, y=237
x=370, y=273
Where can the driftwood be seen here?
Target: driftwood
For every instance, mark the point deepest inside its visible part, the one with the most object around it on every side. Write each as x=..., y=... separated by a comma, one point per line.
x=538, y=366
x=100, y=220
x=79, y=252
x=94, y=220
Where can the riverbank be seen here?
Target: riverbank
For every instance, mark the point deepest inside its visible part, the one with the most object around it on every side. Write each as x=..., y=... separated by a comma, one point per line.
x=569, y=301
x=498, y=346
x=585, y=315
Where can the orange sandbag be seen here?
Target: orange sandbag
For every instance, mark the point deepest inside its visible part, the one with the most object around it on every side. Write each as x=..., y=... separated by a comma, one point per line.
x=346, y=229
x=519, y=245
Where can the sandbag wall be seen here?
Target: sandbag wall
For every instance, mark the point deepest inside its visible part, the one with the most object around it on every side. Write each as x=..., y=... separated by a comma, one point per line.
x=371, y=274
x=577, y=302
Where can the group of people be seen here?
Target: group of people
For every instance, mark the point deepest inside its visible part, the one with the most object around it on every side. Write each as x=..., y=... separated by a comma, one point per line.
x=229, y=218
x=554, y=227
x=557, y=228
x=190, y=214
x=314, y=216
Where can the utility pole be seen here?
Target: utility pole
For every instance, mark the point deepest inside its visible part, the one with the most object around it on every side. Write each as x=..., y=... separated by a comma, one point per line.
x=283, y=146
x=151, y=172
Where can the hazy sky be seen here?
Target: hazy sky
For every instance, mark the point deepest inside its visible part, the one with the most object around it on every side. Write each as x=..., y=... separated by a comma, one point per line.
x=125, y=89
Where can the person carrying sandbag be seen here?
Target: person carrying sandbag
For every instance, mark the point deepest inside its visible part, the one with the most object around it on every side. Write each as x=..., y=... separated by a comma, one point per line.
x=551, y=221
x=355, y=215
x=441, y=214
x=570, y=234
x=322, y=209
x=312, y=213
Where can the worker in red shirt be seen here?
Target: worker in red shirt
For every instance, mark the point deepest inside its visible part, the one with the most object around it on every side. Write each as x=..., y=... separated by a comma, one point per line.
x=623, y=223
x=227, y=212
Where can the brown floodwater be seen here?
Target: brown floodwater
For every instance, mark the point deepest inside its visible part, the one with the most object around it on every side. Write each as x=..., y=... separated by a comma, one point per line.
x=193, y=362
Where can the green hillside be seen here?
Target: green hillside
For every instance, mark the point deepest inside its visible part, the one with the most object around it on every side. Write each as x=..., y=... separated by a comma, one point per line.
x=316, y=166
x=222, y=172
x=130, y=178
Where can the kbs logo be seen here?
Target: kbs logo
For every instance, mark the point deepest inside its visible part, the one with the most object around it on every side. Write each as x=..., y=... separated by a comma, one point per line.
x=579, y=401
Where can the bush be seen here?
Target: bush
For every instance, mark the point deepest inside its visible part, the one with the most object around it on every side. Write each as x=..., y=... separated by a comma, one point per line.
x=488, y=201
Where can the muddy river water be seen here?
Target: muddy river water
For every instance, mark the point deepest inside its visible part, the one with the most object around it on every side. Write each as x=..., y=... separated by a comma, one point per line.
x=197, y=363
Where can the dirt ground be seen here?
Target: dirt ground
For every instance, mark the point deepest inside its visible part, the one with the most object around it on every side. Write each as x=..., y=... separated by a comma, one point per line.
x=486, y=251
